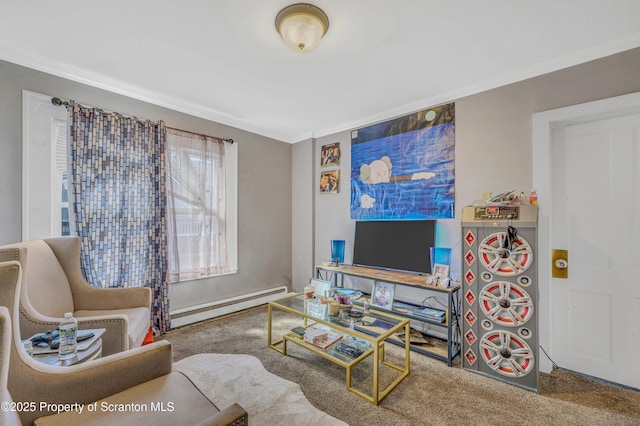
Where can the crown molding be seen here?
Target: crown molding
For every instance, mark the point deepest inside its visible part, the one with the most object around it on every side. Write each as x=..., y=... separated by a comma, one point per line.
x=115, y=86
x=592, y=53
x=122, y=88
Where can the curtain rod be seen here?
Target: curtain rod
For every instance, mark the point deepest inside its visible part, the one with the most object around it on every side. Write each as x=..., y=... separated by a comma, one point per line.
x=228, y=140
x=58, y=102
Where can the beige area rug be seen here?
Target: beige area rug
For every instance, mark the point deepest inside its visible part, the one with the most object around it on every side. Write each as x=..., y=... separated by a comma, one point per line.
x=269, y=399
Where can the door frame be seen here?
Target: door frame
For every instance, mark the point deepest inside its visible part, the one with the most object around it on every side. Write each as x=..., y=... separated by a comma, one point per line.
x=544, y=124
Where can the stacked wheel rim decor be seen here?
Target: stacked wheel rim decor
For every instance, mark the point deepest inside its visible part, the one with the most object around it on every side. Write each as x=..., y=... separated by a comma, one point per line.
x=500, y=273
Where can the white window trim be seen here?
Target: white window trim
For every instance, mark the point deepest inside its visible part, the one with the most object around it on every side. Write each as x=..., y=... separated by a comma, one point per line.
x=41, y=217
x=231, y=181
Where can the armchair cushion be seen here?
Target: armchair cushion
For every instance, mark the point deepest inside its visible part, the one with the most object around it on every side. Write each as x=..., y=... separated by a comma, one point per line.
x=52, y=298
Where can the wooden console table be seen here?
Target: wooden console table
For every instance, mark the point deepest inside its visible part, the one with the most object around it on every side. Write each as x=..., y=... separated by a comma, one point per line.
x=443, y=350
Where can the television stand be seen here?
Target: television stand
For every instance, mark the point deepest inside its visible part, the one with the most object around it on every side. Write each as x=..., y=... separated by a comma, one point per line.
x=444, y=350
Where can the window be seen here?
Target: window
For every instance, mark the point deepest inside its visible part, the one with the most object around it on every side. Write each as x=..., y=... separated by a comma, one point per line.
x=201, y=207
x=61, y=182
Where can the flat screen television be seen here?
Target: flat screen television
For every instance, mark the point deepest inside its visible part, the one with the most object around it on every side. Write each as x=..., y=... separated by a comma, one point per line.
x=396, y=245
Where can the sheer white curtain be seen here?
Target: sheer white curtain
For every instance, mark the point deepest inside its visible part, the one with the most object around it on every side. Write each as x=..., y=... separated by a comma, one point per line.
x=196, y=206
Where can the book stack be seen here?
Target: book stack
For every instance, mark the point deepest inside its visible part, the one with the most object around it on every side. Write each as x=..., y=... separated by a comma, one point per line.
x=298, y=332
x=320, y=338
x=431, y=313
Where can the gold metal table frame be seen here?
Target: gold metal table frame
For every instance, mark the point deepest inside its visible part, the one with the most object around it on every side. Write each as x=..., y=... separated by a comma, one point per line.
x=295, y=304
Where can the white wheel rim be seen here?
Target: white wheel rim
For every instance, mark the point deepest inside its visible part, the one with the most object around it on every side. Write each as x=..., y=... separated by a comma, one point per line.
x=506, y=262
x=506, y=303
x=507, y=354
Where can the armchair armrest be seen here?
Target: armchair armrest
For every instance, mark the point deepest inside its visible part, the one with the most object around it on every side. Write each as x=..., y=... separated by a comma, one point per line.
x=86, y=383
x=114, y=339
x=86, y=297
x=232, y=415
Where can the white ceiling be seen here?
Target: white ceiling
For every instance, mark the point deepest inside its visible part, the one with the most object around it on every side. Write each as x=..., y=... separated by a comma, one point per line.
x=223, y=59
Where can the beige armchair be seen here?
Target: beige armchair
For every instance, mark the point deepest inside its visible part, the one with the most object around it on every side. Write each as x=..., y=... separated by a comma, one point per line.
x=52, y=284
x=139, y=376
x=8, y=417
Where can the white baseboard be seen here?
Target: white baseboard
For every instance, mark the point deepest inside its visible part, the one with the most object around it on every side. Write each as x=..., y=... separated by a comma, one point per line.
x=193, y=314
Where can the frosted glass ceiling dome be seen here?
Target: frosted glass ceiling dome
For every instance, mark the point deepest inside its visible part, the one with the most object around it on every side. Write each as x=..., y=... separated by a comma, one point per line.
x=302, y=26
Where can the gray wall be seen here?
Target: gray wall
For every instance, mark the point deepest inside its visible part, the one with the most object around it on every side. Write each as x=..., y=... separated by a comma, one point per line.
x=302, y=214
x=493, y=144
x=264, y=183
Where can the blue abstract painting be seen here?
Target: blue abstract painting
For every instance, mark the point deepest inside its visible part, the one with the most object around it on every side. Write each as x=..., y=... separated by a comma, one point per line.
x=403, y=169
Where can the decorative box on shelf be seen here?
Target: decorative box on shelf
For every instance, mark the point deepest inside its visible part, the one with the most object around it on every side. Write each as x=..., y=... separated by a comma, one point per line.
x=314, y=335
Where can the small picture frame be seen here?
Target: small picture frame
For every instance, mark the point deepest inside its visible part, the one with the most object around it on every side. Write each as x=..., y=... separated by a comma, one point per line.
x=322, y=288
x=330, y=155
x=330, y=182
x=441, y=271
x=315, y=309
x=382, y=295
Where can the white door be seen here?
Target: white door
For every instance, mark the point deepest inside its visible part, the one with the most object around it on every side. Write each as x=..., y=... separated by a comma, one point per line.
x=595, y=215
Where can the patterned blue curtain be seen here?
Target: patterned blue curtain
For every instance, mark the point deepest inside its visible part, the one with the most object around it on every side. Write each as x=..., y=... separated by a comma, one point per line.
x=119, y=202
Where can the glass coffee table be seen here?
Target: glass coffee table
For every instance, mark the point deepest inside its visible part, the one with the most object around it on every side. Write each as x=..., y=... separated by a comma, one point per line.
x=310, y=328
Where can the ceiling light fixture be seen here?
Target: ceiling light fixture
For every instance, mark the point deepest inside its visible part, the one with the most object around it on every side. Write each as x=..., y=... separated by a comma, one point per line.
x=301, y=26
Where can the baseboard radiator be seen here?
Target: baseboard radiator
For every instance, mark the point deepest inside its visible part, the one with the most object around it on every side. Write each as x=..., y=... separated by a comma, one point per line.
x=193, y=314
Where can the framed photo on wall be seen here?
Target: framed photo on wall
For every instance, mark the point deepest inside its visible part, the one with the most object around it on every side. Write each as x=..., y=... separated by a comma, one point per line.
x=330, y=182
x=330, y=155
x=382, y=295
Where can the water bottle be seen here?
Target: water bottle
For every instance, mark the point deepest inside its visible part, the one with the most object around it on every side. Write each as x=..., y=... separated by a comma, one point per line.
x=68, y=330
x=28, y=347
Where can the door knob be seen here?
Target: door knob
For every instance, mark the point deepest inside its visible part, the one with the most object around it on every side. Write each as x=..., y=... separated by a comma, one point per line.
x=561, y=264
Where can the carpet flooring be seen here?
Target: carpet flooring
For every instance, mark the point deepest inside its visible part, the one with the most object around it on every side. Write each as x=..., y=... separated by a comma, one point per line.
x=433, y=394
